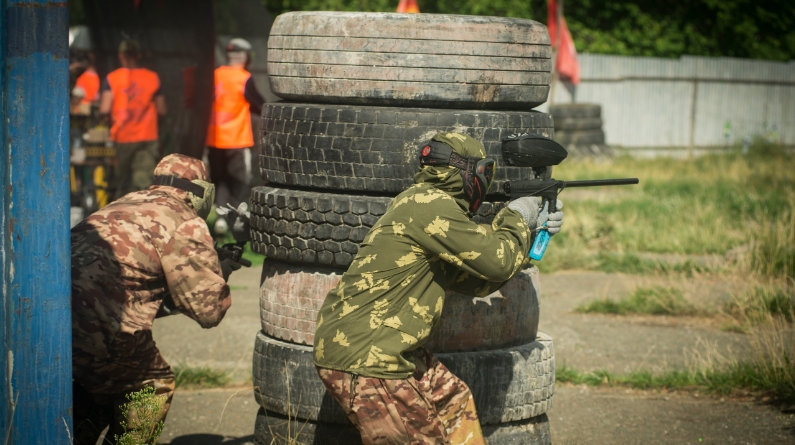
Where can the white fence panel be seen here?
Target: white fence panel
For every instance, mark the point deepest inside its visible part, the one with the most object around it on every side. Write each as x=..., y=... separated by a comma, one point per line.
x=686, y=102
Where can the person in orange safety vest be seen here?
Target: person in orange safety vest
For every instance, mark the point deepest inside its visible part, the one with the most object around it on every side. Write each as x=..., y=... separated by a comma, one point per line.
x=229, y=134
x=132, y=97
x=86, y=89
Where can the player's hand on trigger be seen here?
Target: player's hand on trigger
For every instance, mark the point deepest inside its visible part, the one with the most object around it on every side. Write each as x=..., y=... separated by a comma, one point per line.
x=228, y=266
x=528, y=207
x=554, y=220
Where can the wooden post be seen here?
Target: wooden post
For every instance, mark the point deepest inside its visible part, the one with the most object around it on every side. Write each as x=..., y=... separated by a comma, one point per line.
x=35, y=287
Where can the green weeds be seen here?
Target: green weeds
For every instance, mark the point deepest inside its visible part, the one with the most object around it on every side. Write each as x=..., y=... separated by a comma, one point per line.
x=644, y=300
x=200, y=377
x=773, y=252
x=567, y=258
x=758, y=304
x=140, y=413
x=768, y=371
x=762, y=378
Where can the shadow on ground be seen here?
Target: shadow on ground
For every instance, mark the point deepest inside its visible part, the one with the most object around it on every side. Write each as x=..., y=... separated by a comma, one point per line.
x=210, y=439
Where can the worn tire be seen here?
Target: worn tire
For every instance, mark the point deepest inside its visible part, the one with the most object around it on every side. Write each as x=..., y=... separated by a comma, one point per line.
x=579, y=111
x=583, y=137
x=292, y=295
x=374, y=149
x=507, y=384
x=272, y=428
x=574, y=123
x=318, y=228
x=426, y=60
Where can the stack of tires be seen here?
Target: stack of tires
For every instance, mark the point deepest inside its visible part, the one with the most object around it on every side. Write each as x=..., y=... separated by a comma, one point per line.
x=578, y=127
x=363, y=91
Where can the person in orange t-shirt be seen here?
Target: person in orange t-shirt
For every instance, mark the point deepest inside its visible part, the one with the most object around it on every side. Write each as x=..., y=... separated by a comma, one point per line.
x=132, y=97
x=229, y=134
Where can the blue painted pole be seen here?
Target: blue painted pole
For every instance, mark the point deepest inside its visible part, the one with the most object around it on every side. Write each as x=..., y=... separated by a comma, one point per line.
x=36, y=355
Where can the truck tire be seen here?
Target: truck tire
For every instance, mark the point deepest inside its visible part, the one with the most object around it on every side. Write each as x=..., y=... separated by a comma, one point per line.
x=426, y=60
x=317, y=228
x=272, y=428
x=292, y=295
x=374, y=149
x=563, y=111
x=581, y=137
x=507, y=384
x=574, y=123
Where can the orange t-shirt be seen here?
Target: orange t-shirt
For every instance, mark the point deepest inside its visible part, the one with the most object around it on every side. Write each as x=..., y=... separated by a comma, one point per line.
x=133, y=110
x=230, y=121
x=89, y=82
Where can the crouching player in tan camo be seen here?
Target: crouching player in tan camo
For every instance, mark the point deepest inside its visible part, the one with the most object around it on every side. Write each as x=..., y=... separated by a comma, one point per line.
x=370, y=330
x=127, y=258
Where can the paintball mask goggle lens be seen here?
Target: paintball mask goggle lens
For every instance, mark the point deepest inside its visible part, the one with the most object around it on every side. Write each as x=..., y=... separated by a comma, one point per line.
x=477, y=181
x=477, y=173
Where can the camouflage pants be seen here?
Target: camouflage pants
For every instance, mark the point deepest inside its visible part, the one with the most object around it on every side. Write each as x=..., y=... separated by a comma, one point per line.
x=431, y=407
x=94, y=412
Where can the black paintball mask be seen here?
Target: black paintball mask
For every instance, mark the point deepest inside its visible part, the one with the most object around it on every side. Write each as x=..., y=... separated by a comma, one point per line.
x=477, y=173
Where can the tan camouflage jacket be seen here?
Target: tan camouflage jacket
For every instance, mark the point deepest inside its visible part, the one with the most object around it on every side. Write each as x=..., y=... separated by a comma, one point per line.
x=125, y=258
x=391, y=297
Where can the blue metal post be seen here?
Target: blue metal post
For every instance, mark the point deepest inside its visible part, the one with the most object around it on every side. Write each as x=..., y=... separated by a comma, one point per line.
x=36, y=354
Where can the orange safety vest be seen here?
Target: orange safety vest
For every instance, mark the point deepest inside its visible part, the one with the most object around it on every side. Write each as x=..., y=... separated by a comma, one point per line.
x=230, y=120
x=89, y=82
x=134, y=112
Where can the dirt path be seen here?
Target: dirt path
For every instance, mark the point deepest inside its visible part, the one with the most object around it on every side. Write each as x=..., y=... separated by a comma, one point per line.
x=621, y=344
x=587, y=416
x=580, y=415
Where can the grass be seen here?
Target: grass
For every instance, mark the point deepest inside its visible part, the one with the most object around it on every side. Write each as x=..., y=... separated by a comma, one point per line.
x=706, y=205
x=612, y=262
x=769, y=371
x=644, y=300
x=750, y=376
x=745, y=309
x=758, y=304
x=200, y=377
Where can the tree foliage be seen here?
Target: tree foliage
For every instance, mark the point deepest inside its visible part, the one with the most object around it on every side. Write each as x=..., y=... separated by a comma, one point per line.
x=762, y=29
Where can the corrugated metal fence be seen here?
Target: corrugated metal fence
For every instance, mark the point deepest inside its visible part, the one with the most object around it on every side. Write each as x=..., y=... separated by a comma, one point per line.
x=686, y=102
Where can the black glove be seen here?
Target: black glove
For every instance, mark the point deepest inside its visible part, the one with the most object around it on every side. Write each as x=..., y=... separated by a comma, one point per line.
x=167, y=307
x=228, y=266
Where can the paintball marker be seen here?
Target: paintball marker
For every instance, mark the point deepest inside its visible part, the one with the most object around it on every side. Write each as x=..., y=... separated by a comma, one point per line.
x=541, y=153
x=234, y=252
x=241, y=231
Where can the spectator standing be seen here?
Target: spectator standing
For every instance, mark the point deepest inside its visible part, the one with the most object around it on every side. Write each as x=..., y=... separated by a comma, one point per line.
x=86, y=89
x=132, y=97
x=229, y=134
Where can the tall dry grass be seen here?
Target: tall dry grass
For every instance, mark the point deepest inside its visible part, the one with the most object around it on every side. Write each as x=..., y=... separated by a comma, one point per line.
x=739, y=204
x=707, y=205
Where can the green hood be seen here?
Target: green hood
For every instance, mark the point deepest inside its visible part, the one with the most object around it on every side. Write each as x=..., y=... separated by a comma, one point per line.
x=448, y=179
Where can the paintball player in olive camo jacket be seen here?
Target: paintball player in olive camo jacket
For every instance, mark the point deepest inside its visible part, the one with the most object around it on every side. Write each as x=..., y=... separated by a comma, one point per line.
x=372, y=325
x=127, y=258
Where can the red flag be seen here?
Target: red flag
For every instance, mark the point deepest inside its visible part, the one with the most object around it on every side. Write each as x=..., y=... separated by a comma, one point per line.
x=552, y=21
x=566, y=63
x=408, y=6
